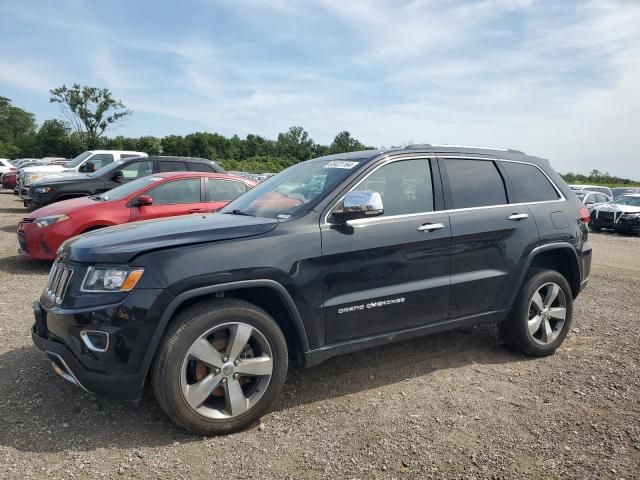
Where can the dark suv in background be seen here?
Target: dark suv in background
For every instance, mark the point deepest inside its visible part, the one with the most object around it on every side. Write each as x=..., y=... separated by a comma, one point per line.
x=65, y=186
x=332, y=255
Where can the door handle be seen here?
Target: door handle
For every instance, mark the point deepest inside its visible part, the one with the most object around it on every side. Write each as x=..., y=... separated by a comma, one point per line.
x=518, y=216
x=196, y=210
x=430, y=227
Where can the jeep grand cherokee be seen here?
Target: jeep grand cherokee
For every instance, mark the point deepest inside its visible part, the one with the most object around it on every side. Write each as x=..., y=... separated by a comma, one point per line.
x=333, y=255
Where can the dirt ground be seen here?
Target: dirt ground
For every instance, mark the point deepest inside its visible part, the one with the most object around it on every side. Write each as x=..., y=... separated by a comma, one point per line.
x=452, y=405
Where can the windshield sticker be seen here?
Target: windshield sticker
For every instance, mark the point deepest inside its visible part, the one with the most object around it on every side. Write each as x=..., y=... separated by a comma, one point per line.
x=341, y=164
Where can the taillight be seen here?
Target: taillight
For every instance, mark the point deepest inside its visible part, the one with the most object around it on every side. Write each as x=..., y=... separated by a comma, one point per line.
x=584, y=214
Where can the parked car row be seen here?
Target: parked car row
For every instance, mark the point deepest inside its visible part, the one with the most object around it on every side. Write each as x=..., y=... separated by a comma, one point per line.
x=613, y=209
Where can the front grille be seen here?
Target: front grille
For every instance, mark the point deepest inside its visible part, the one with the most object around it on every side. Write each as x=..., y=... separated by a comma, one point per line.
x=58, y=282
x=607, y=217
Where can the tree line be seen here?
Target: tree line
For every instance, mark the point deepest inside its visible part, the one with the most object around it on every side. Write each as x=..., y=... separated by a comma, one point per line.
x=89, y=112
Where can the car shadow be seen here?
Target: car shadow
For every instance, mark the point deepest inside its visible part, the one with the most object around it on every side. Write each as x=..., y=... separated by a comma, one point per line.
x=9, y=228
x=19, y=265
x=40, y=412
x=15, y=210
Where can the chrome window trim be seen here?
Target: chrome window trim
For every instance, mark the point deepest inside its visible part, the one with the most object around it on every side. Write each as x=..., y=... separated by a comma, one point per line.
x=367, y=221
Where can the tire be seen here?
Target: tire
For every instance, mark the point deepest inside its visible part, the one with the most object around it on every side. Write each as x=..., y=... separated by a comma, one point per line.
x=180, y=377
x=593, y=226
x=519, y=331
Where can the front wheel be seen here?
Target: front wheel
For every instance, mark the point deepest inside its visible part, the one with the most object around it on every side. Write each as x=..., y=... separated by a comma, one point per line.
x=541, y=316
x=220, y=367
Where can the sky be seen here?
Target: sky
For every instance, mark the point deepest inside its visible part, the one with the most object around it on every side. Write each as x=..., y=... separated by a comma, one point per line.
x=556, y=79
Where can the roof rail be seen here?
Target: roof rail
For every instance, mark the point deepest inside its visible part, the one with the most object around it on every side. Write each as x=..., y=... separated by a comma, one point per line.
x=423, y=145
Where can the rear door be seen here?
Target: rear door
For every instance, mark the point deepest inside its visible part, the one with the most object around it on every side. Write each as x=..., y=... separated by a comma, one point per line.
x=490, y=239
x=220, y=191
x=388, y=273
x=176, y=197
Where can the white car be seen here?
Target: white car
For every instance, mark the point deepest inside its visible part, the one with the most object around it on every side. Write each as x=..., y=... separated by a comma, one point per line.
x=593, y=188
x=6, y=166
x=592, y=199
x=86, y=162
x=623, y=215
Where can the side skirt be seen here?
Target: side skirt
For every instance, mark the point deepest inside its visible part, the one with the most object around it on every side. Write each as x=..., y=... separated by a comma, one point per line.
x=319, y=355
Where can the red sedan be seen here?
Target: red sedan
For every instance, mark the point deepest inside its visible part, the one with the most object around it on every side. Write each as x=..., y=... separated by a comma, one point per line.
x=160, y=195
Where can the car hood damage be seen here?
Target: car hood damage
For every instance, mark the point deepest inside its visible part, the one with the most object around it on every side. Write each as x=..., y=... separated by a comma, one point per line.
x=122, y=243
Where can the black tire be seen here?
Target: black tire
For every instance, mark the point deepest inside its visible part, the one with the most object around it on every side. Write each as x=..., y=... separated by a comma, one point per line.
x=188, y=327
x=593, y=226
x=515, y=332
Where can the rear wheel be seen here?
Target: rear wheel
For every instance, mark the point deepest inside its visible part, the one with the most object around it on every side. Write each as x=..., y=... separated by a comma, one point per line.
x=541, y=317
x=592, y=224
x=220, y=367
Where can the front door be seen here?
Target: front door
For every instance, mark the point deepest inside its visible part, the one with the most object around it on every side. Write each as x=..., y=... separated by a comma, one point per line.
x=177, y=197
x=391, y=272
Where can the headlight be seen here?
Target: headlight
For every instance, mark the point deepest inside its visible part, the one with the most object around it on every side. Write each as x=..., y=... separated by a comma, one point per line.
x=631, y=215
x=111, y=279
x=42, y=189
x=46, y=221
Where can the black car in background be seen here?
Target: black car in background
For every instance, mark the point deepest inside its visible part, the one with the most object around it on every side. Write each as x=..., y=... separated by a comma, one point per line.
x=65, y=186
x=330, y=256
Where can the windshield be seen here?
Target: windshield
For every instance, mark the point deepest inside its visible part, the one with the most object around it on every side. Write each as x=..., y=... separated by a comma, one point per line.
x=632, y=201
x=581, y=195
x=79, y=159
x=294, y=190
x=127, y=189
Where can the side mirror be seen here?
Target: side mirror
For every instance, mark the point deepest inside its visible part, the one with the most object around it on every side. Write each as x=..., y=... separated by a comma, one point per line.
x=88, y=167
x=358, y=205
x=118, y=176
x=143, y=201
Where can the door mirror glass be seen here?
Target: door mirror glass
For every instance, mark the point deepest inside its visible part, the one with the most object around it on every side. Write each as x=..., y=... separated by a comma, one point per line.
x=143, y=201
x=363, y=204
x=118, y=176
x=87, y=167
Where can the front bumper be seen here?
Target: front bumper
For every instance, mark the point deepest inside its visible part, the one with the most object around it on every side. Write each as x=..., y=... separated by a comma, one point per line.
x=38, y=243
x=117, y=372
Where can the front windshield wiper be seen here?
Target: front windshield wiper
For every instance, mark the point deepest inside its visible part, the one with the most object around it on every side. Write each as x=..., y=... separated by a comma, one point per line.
x=97, y=197
x=238, y=212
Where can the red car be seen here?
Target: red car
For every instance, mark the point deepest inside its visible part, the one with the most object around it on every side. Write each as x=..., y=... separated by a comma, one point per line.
x=8, y=180
x=160, y=195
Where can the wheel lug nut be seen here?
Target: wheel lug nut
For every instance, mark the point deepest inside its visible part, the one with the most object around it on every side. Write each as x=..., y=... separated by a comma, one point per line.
x=217, y=370
x=236, y=362
x=235, y=376
x=225, y=359
x=224, y=380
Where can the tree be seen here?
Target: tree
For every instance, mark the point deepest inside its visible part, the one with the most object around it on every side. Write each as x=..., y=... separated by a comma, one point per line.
x=91, y=110
x=344, y=142
x=17, y=128
x=295, y=144
x=54, y=138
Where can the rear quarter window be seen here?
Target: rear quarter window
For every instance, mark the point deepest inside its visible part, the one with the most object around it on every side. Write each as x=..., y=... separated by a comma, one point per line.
x=529, y=183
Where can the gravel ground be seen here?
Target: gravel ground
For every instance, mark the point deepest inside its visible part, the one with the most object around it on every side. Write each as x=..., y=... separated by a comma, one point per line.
x=453, y=405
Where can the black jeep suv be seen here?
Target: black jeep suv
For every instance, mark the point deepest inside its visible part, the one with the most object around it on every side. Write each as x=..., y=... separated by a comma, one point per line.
x=54, y=188
x=332, y=255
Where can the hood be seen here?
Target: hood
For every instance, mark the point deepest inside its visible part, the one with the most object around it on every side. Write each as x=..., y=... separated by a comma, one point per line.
x=44, y=168
x=61, y=178
x=610, y=207
x=121, y=243
x=66, y=207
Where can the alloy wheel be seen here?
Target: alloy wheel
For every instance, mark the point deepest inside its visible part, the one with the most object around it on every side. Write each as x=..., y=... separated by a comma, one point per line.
x=547, y=313
x=226, y=371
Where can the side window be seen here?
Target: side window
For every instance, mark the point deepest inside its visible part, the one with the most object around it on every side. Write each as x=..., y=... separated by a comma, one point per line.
x=199, y=167
x=529, y=183
x=186, y=190
x=224, y=190
x=601, y=198
x=137, y=169
x=101, y=159
x=166, y=166
x=405, y=186
x=475, y=183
